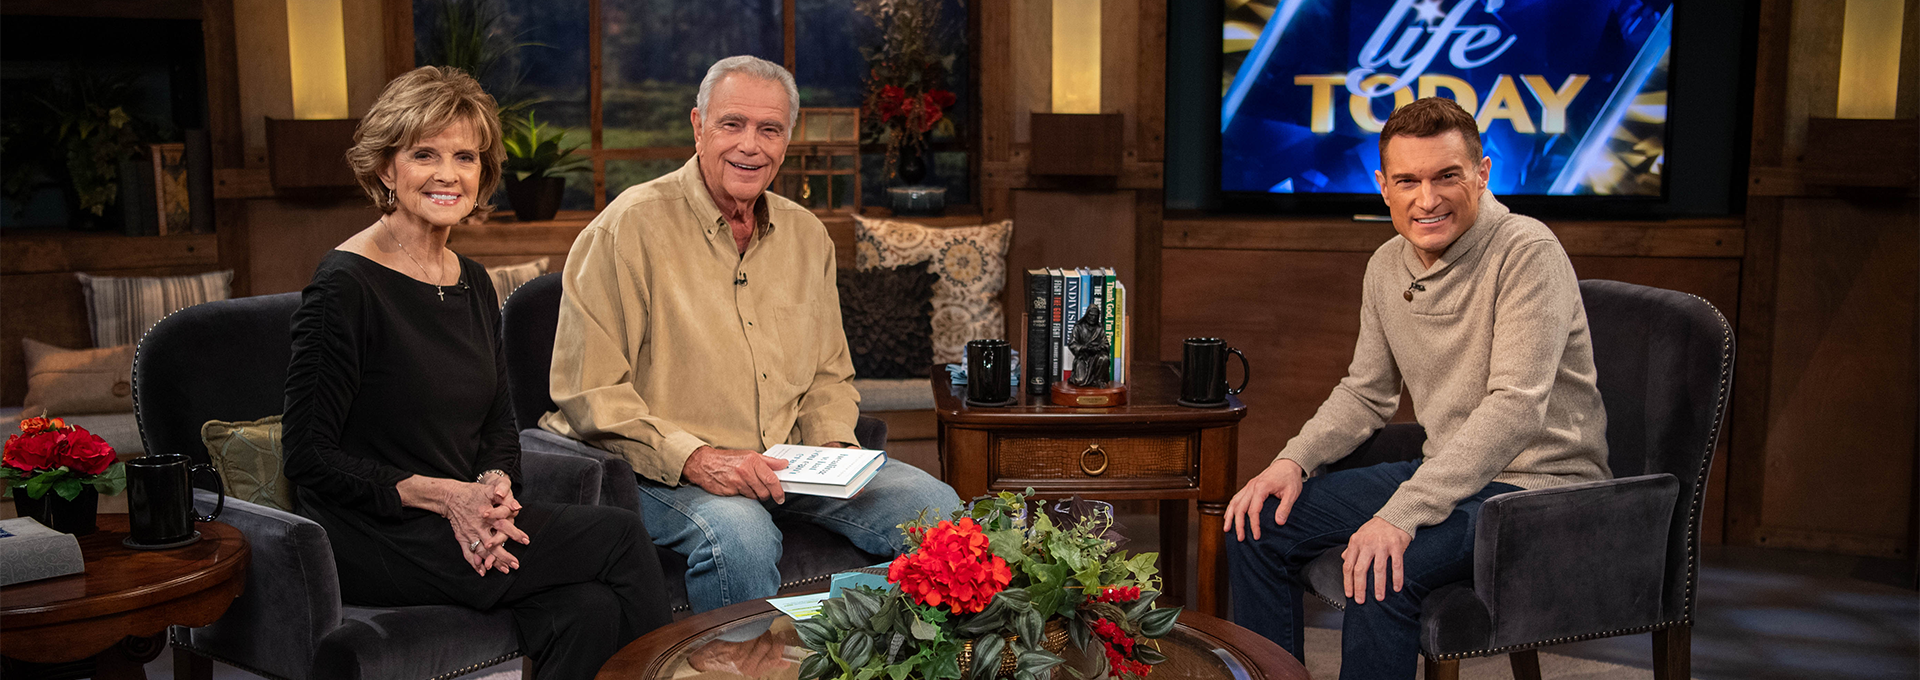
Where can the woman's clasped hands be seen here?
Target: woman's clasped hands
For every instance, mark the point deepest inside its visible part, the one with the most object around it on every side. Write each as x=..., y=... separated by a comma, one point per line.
x=481, y=514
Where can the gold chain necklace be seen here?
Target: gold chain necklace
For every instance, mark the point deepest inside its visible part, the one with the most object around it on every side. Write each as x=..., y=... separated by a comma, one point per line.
x=416, y=263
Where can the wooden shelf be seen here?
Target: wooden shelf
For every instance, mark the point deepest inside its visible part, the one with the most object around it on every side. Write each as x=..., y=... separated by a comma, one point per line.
x=1721, y=237
x=55, y=251
x=105, y=9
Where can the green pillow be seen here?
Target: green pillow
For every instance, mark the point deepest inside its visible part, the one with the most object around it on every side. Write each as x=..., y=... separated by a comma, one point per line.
x=249, y=460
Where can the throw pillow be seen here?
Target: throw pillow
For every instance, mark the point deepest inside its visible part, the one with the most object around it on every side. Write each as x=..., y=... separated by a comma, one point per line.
x=64, y=382
x=120, y=309
x=247, y=454
x=887, y=314
x=971, y=262
x=507, y=278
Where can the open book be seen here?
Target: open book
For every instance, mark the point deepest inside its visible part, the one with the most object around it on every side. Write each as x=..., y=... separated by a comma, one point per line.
x=826, y=471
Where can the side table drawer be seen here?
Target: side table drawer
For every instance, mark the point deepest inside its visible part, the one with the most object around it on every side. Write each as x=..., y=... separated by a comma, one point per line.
x=1153, y=460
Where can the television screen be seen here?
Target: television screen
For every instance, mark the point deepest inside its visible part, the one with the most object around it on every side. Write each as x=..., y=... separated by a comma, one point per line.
x=1571, y=95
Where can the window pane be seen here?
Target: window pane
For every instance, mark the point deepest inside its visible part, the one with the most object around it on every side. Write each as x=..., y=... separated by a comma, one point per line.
x=531, y=55
x=624, y=174
x=827, y=61
x=655, y=53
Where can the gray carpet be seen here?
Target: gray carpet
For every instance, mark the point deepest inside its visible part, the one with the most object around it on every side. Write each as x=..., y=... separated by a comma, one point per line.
x=1323, y=661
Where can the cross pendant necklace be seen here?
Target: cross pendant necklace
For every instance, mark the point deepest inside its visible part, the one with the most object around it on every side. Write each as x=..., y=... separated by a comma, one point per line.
x=437, y=290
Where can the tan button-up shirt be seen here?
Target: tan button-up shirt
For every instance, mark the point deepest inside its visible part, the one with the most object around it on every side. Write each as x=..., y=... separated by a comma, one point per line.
x=670, y=339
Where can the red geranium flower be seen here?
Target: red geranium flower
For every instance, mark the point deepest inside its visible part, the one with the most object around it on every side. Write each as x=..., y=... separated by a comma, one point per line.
x=953, y=566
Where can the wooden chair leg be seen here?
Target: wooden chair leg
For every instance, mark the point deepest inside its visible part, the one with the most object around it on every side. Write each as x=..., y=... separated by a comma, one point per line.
x=190, y=666
x=1526, y=664
x=1673, y=653
x=1443, y=670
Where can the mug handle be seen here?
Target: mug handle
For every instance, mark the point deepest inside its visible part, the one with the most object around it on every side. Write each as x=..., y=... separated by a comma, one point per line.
x=1246, y=371
x=220, y=501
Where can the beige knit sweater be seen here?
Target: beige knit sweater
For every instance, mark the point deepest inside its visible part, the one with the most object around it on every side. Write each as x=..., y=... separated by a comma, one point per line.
x=1496, y=356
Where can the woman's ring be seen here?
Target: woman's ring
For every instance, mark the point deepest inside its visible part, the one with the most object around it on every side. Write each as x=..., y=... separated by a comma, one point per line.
x=474, y=546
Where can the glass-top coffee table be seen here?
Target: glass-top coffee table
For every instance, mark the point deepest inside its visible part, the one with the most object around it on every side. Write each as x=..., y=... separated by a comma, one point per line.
x=754, y=640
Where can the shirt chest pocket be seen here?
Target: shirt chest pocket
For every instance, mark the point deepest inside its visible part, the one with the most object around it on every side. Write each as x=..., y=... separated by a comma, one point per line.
x=796, y=334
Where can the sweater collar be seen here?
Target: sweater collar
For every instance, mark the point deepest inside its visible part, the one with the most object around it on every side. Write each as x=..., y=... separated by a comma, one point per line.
x=1492, y=211
x=706, y=213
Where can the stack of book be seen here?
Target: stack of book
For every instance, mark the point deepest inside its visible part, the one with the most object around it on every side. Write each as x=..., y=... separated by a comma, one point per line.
x=1055, y=300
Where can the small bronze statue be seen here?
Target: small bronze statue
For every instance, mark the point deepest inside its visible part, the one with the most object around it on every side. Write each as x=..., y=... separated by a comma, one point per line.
x=1092, y=353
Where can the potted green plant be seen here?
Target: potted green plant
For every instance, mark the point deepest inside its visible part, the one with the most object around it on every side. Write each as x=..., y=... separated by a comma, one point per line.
x=535, y=162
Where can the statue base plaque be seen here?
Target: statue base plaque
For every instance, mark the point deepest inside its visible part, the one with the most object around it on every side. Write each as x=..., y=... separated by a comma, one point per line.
x=1089, y=397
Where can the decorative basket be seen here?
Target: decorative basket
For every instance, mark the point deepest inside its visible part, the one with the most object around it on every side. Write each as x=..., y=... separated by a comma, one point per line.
x=1056, y=641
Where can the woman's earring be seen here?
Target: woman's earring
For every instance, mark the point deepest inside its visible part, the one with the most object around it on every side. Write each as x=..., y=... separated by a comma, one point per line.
x=390, y=197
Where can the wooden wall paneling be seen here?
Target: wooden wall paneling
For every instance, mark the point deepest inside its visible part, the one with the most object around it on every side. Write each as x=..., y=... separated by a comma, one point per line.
x=1770, y=83
x=266, y=78
x=1120, y=67
x=50, y=308
x=1752, y=375
x=1069, y=229
x=396, y=43
x=223, y=84
x=1907, y=99
x=1144, y=298
x=1150, y=103
x=1294, y=314
x=1032, y=64
x=1843, y=378
x=366, y=37
x=994, y=50
x=1813, y=71
x=288, y=238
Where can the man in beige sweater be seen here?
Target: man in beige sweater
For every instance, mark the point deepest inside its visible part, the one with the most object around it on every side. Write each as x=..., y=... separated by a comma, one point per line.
x=1476, y=312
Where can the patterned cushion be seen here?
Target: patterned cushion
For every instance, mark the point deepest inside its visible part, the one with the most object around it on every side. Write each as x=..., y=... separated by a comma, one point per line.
x=120, y=309
x=971, y=262
x=507, y=278
x=63, y=382
x=248, y=457
x=887, y=315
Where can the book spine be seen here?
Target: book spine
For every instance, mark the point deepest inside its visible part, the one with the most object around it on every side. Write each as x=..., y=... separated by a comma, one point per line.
x=1056, y=284
x=1109, y=315
x=1069, y=315
x=1037, y=325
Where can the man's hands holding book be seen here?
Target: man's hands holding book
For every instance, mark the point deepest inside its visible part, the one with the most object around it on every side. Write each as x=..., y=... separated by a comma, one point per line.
x=735, y=472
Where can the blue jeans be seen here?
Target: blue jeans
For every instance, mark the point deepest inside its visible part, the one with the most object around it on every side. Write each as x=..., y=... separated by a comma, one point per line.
x=733, y=548
x=1379, y=639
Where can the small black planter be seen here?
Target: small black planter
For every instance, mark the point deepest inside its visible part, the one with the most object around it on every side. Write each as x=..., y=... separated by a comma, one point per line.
x=913, y=165
x=536, y=198
x=59, y=514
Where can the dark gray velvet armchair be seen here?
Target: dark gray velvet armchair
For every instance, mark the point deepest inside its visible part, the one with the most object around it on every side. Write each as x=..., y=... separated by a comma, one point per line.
x=1600, y=559
x=228, y=361
x=810, y=555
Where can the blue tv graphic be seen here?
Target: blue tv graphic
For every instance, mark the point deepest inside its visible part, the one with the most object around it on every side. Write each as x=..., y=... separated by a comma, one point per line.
x=1570, y=94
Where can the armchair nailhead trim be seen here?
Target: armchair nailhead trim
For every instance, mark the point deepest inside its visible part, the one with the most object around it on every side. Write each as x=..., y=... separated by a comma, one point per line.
x=1544, y=643
x=490, y=662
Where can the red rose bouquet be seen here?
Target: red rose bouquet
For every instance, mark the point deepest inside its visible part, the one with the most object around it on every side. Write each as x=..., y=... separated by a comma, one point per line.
x=49, y=454
x=1000, y=583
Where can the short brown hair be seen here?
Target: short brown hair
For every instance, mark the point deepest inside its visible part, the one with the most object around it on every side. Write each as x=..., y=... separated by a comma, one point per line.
x=1431, y=117
x=417, y=105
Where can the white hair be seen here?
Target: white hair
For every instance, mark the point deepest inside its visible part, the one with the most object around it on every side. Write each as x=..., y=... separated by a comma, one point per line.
x=756, y=67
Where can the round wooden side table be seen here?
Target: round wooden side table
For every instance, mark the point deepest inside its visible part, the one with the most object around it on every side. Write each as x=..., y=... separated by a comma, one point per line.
x=124, y=593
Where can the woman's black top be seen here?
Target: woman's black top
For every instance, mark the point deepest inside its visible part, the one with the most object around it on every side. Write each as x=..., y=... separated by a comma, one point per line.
x=389, y=380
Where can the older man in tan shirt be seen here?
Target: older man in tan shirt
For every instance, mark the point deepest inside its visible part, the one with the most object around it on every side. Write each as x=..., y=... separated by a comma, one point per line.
x=700, y=326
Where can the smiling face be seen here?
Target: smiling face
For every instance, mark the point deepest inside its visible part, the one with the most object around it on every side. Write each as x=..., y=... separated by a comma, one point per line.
x=435, y=180
x=1432, y=187
x=743, y=139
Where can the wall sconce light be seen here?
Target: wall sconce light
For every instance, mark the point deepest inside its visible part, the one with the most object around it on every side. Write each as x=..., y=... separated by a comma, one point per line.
x=1870, y=59
x=1075, y=138
x=307, y=152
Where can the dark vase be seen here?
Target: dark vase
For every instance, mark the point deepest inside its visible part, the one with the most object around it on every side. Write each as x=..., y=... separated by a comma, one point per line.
x=59, y=514
x=913, y=165
x=536, y=198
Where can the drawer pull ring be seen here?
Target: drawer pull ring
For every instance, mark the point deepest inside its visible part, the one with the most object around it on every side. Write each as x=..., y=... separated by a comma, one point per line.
x=1087, y=455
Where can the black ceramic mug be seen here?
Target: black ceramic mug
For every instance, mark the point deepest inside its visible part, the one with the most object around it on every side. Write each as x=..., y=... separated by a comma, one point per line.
x=1203, y=374
x=989, y=373
x=160, y=500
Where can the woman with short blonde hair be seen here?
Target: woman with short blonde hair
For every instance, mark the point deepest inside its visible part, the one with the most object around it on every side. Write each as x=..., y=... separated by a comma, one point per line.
x=399, y=433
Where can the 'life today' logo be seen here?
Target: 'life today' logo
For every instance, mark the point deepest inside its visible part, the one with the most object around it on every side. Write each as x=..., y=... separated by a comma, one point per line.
x=1439, y=30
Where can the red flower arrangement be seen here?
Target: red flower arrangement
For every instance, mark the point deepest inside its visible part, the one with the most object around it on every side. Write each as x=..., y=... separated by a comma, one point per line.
x=954, y=566
x=49, y=454
x=907, y=74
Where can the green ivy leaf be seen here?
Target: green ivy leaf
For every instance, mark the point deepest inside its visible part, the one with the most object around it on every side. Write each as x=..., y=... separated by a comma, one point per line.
x=1159, y=622
x=814, y=666
x=923, y=630
x=857, y=648
x=986, y=655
